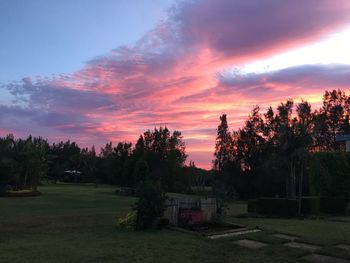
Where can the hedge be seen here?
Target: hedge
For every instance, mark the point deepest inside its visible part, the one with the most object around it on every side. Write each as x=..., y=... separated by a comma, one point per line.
x=289, y=207
x=277, y=206
x=329, y=174
x=310, y=205
x=252, y=206
x=333, y=205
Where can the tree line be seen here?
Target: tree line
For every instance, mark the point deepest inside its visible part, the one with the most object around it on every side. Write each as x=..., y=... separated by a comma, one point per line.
x=270, y=154
x=158, y=155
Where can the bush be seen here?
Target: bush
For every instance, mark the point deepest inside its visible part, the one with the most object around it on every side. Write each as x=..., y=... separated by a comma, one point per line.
x=310, y=205
x=329, y=174
x=4, y=189
x=252, y=206
x=128, y=222
x=277, y=206
x=150, y=205
x=289, y=207
x=333, y=205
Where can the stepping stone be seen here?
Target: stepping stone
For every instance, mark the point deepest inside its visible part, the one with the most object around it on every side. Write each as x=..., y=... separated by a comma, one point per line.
x=250, y=243
x=316, y=258
x=343, y=246
x=291, y=238
x=345, y=219
x=234, y=233
x=303, y=246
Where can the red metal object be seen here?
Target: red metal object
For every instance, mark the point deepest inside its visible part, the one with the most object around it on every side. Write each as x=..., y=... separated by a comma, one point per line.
x=192, y=216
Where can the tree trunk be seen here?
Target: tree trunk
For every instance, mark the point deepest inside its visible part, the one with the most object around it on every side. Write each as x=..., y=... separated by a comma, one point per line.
x=300, y=188
x=293, y=183
x=25, y=179
x=287, y=183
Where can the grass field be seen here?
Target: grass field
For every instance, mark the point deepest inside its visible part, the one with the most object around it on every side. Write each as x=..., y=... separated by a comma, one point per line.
x=71, y=223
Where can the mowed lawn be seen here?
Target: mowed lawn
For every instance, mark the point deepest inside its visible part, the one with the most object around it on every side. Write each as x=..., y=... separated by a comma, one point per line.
x=72, y=223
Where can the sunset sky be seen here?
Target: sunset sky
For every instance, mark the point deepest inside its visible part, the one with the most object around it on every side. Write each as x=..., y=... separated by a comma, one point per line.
x=95, y=71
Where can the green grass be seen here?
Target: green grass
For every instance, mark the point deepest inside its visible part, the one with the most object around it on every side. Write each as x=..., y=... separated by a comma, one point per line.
x=320, y=232
x=317, y=231
x=76, y=223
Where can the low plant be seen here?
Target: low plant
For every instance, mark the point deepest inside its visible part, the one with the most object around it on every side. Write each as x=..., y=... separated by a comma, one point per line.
x=128, y=221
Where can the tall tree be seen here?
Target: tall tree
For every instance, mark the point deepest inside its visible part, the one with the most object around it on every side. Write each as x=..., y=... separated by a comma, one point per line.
x=223, y=145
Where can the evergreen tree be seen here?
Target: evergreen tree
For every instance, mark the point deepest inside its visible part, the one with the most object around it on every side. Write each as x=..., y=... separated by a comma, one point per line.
x=223, y=145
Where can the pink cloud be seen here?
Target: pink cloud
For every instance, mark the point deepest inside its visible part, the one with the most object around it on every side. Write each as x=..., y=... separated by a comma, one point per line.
x=171, y=76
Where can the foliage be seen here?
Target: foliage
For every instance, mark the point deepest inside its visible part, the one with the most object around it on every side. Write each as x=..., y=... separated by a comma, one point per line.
x=332, y=205
x=252, y=206
x=289, y=207
x=311, y=205
x=150, y=205
x=128, y=221
x=329, y=174
x=23, y=161
x=157, y=155
x=277, y=206
x=223, y=145
x=272, y=153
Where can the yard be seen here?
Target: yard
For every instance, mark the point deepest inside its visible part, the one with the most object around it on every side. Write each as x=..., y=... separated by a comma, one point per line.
x=72, y=223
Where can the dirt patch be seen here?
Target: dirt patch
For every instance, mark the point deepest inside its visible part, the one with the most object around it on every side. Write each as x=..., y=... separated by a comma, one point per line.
x=21, y=193
x=214, y=228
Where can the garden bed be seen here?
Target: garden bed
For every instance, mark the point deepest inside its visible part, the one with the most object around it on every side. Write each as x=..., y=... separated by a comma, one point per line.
x=22, y=193
x=209, y=228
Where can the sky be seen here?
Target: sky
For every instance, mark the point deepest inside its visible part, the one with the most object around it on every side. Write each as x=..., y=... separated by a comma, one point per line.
x=98, y=71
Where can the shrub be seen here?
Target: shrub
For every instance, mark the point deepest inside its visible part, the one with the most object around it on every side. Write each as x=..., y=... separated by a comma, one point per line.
x=329, y=174
x=4, y=189
x=150, y=205
x=252, y=206
x=310, y=205
x=128, y=222
x=333, y=205
x=277, y=206
x=324, y=204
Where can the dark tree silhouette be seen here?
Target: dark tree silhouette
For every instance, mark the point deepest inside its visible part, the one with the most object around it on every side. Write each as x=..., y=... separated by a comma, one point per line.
x=223, y=145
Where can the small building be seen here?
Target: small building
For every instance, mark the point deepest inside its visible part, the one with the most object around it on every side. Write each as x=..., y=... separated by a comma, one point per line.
x=194, y=210
x=344, y=141
x=72, y=176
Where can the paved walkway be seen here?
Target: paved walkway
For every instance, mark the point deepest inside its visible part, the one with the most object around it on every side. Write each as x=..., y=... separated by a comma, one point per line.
x=303, y=246
x=284, y=236
x=315, y=258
